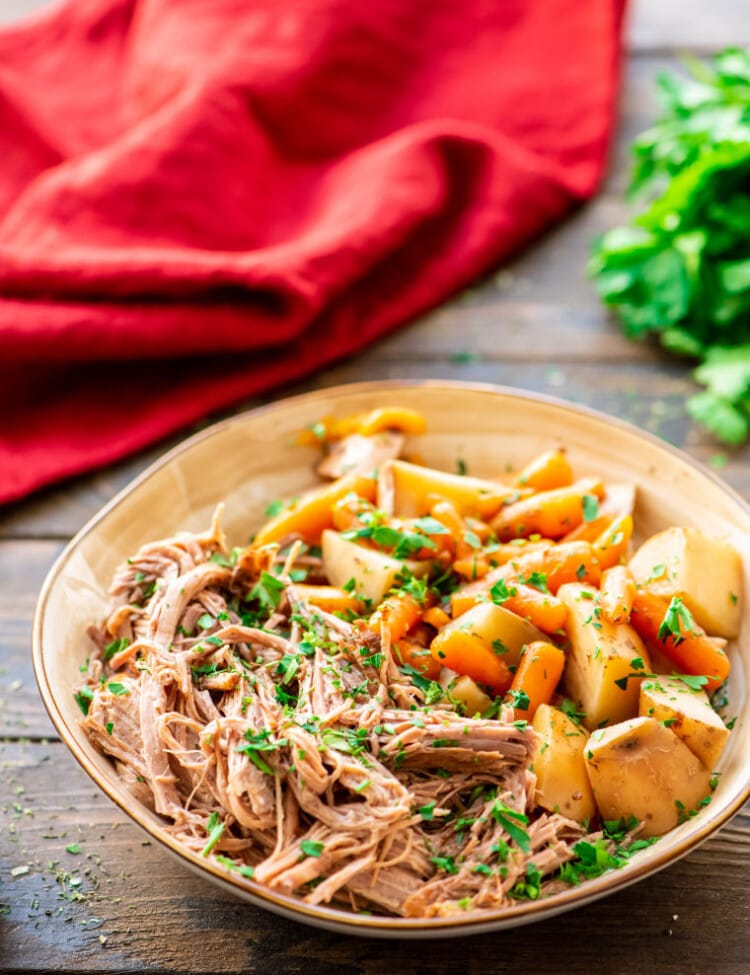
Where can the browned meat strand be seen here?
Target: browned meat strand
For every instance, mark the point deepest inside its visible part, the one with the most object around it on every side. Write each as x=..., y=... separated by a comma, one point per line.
x=274, y=737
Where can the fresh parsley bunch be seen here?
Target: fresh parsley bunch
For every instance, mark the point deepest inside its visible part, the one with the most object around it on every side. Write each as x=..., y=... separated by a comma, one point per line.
x=681, y=267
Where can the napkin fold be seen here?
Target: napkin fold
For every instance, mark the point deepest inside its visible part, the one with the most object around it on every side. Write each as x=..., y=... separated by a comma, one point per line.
x=202, y=199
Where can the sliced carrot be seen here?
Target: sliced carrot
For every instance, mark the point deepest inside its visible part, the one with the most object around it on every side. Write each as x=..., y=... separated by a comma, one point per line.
x=329, y=598
x=396, y=615
x=542, y=609
x=618, y=591
x=537, y=676
x=312, y=513
x=346, y=511
x=551, y=514
x=692, y=653
x=391, y=418
x=473, y=566
x=546, y=472
x=589, y=531
x=436, y=617
x=566, y=562
x=613, y=542
x=467, y=653
x=414, y=654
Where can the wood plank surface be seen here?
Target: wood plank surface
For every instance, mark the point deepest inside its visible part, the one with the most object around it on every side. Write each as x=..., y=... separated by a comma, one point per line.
x=122, y=904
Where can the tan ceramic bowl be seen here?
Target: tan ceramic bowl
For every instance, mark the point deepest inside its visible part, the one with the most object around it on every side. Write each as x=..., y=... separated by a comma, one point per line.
x=248, y=460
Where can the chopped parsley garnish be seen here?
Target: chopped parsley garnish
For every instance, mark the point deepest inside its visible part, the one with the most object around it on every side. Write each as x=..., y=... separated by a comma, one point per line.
x=500, y=593
x=214, y=827
x=570, y=708
x=258, y=742
x=115, y=647
x=530, y=887
x=446, y=864
x=241, y=868
x=311, y=848
x=206, y=621
x=118, y=689
x=84, y=697
x=268, y=591
x=274, y=508
x=427, y=812
x=519, y=699
x=590, y=507
x=677, y=621
x=511, y=821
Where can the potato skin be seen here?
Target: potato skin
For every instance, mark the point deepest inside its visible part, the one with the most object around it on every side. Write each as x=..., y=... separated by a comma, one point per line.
x=705, y=572
x=562, y=783
x=688, y=714
x=640, y=768
x=600, y=654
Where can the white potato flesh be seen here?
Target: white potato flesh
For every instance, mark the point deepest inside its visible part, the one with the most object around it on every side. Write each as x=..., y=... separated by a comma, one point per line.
x=466, y=691
x=374, y=573
x=600, y=654
x=562, y=783
x=405, y=490
x=504, y=631
x=640, y=768
x=688, y=713
x=705, y=572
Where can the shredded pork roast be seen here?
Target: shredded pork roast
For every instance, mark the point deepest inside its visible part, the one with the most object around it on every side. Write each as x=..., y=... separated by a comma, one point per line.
x=285, y=744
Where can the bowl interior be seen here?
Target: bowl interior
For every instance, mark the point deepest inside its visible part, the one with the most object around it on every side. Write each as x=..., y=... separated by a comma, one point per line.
x=249, y=460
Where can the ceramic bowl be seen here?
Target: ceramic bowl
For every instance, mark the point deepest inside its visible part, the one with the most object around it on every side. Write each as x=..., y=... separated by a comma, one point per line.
x=250, y=459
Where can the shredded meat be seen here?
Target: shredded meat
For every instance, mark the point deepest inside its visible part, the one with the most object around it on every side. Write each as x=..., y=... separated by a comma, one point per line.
x=285, y=741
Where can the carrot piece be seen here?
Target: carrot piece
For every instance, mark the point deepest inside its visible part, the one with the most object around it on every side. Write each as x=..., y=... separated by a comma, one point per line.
x=546, y=472
x=463, y=599
x=346, y=511
x=396, y=615
x=613, y=542
x=618, y=591
x=474, y=566
x=447, y=514
x=414, y=654
x=313, y=511
x=589, y=531
x=467, y=653
x=551, y=514
x=542, y=609
x=436, y=617
x=329, y=598
x=538, y=674
x=566, y=562
x=693, y=653
x=391, y=418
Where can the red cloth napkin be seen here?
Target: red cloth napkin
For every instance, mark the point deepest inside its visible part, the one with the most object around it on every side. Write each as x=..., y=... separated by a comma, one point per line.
x=201, y=199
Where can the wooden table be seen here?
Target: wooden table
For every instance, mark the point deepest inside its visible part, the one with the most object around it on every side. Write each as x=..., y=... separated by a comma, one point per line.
x=122, y=905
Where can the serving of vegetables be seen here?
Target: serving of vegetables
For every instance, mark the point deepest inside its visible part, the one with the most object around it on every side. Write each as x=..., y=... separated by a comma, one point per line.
x=526, y=592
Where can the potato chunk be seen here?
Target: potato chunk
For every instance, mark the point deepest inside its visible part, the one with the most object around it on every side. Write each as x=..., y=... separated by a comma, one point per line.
x=688, y=714
x=465, y=691
x=373, y=572
x=640, y=768
x=500, y=629
x=406, y=490
x=562, y=783
x=601, y=654
x=705, y=572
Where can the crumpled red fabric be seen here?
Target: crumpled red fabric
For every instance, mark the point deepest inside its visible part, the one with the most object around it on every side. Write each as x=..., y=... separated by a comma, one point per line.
x=201, y=199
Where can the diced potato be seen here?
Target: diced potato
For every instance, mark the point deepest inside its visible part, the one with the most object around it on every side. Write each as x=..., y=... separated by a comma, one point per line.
x=562, y=783
x=373, y=572
x=688, y=714
x=705, y=572
x=466, y=691
x=504, y=631
x=640, y=768
x=404, y=490
x=601, y=653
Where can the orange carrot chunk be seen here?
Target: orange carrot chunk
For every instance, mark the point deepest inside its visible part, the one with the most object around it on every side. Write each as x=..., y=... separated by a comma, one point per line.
x=395, y=616
x=558, y=564
x=313, y=512
x=613, y=542
x=618, y=591
x=551, y=514
x=536, y=678
x=468, y=653
x=547, y=471
x=667, y=626
x=411, y=653
x=329, y=598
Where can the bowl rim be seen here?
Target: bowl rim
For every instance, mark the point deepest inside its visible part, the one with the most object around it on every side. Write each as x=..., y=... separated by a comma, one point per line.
x=332, y=918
